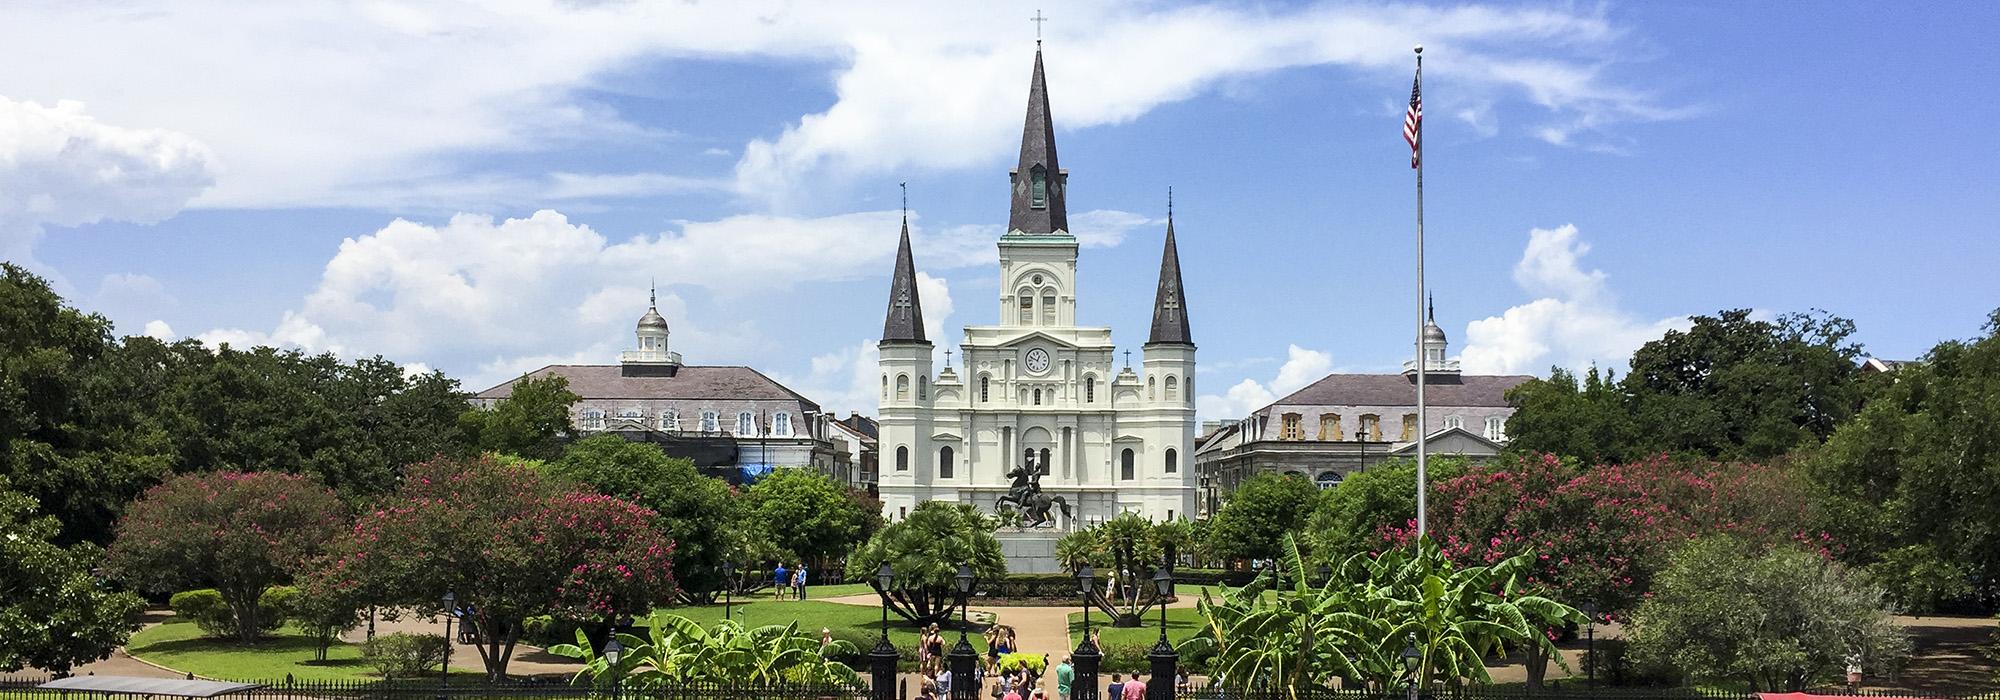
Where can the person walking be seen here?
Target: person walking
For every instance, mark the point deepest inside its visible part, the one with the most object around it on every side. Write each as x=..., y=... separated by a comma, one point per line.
x=780, y=579
x=934, y=646
x=943, y=683
x=1065, y=677
x=1135, y=689
x=799, y=581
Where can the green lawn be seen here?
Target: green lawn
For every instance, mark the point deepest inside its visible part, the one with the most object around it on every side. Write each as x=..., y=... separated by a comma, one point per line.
x=1182, y=623
x=181, y=646
x=850, y=622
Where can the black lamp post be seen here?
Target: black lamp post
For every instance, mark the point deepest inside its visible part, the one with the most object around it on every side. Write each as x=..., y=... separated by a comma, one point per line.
x=1412, y=660
x=882, y=659
x=613, y=651
x=962, y=655
x=1590, y=635
x=728, y=588
x=1087, y=655
x=450, y=606
x=1163, y=656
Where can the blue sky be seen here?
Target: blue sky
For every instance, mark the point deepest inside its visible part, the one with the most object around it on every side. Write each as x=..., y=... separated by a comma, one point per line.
x=367, y=179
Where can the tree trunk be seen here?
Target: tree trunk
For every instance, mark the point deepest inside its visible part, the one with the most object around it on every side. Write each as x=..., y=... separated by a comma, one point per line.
x=244, y=605
x=1538, y=666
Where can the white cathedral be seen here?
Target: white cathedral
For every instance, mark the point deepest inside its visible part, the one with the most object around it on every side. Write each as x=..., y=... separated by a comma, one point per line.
x=1039, y=390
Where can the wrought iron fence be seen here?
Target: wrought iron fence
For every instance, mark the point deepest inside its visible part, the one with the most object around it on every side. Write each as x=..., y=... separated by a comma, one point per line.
x=24, y=688
x=1515, y=692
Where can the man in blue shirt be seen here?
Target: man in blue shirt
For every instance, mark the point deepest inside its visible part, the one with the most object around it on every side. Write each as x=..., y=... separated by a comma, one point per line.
x=781, y=580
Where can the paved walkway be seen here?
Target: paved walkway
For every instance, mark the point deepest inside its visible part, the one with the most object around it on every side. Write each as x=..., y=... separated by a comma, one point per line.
x=527, y=660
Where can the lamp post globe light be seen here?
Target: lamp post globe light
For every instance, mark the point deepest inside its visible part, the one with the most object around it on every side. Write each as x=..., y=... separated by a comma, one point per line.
x=882, y=659
x=1086, y=656
x=1163, y=657
x=613, y=651
x=1412, y=661
x=450, y=607
x=962, y=656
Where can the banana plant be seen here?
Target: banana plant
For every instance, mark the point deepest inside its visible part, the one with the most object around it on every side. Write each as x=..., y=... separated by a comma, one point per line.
x=1354, y=625
x=677, y=650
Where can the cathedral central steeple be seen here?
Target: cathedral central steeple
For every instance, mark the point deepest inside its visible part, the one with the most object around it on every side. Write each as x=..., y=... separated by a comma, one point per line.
x=1038, y=181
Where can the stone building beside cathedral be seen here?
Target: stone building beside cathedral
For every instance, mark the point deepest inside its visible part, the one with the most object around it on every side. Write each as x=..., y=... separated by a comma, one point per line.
x=1038, y=390
x=733, y=421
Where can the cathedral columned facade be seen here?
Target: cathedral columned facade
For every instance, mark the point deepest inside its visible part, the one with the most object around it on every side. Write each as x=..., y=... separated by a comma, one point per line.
x=1037, y=390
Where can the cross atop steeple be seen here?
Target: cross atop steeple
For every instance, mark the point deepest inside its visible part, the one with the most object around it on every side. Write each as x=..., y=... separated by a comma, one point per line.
x=1170, y=321
x=1038, y=19
x=1128, y=359
x=947, y=358
x=905, y=320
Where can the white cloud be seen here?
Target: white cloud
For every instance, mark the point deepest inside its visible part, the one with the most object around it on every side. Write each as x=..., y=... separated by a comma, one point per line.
x=61, y=167
x=1302, y=366
x=375, y=105
x=159, y=330
x=1575, y=322
x=841, y=381
x=509, y=296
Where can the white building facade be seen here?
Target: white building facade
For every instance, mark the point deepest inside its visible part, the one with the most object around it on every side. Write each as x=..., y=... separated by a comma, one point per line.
x=1037, y=389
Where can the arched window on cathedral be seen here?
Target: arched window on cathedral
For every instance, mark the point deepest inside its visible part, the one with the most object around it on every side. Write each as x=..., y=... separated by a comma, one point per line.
x=885, y=387
x=984, y=382
x=1089, y=389
x=902, y=387
x=902, y=458
x=923, y=388
x=1048, y=307
x=1027, y=297
x=1042, y=461
x=1173, y=388
x=944, y=462
x=1125, y=466
x=1149, y=388
x=1038, y=396
x=1173, y=461
x=1038, y=187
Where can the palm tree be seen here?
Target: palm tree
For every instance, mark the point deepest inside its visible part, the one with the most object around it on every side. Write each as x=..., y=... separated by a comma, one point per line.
x=679, y=651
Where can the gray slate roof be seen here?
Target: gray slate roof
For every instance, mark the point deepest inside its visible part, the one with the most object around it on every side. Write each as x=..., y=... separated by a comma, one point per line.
x=1401, y=390
x=1038, y=147
x=610, y=382
x=905, y=320
x=1170, y=321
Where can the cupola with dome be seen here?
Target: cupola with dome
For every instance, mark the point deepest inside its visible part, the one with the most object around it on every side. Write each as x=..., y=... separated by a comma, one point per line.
x=652, y=357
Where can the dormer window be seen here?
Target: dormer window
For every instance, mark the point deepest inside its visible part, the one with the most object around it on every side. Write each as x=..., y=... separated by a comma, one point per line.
x=1038, y=187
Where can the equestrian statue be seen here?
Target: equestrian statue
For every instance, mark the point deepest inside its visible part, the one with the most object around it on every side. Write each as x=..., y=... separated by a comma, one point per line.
x=1025, y=495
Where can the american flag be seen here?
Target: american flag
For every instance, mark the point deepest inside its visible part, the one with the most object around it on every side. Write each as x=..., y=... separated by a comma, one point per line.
x=1413, y=120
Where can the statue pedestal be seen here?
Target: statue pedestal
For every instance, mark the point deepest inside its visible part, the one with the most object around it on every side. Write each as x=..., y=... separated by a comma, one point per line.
x=1029, y=551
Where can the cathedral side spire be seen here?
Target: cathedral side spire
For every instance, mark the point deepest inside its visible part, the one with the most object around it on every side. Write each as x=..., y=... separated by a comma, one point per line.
x=1170, y=321
x=905, y=322
x=1038, y=181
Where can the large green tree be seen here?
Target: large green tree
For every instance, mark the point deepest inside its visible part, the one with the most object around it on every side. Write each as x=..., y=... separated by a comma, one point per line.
x=1357, y=516
x=1777, y=619
x=701, y=514
x=1910, y=485
x=71, y=437
x=532, y=422
x=1259, y=513
x=809, y=514
x=238, y=533
x=1730, y=387
x=54, y=614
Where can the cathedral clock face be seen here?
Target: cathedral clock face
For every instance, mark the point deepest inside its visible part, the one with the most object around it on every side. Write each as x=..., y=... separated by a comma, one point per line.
x=1038, y=360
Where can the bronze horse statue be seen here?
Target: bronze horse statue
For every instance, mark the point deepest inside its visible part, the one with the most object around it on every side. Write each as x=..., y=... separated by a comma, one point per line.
x=1025, y=495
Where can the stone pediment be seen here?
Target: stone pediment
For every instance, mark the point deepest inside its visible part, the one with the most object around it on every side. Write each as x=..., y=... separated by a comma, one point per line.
x=1035, y=337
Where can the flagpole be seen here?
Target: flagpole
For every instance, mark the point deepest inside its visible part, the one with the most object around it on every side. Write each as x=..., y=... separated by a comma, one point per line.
x=1423, y=423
